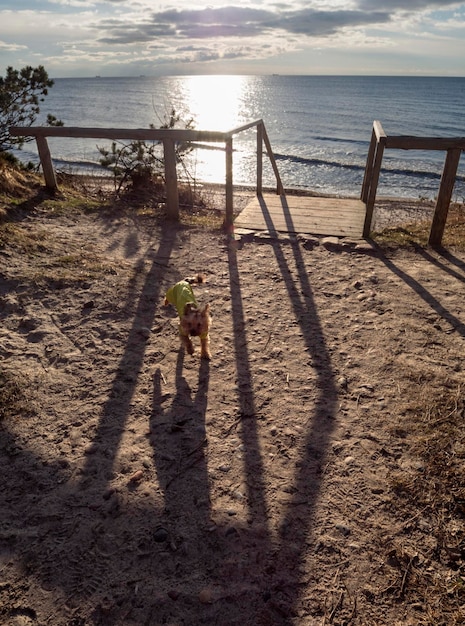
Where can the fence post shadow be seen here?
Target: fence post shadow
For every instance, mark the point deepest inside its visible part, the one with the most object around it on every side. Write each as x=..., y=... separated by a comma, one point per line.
x=101, y=456
x=308, y=478
x=453, y=260
x=248, y=427
x=288, y=554
x=424, y=294
x=178, y=438
x=82, y=506
x=446, y=256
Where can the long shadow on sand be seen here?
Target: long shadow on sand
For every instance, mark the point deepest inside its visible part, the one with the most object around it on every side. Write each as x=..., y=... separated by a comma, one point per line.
x=283, y=568
x=426, y=295
x=178, y=437
x=81, y=540
x=141, y=560
x=115, y=412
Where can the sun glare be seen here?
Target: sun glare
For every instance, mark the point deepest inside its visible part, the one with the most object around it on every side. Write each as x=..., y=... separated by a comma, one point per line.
x=215, y=102
x=221, y=103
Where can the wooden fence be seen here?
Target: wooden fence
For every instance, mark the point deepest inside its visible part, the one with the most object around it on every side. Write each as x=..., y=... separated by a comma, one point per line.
x=169, y=138
x=380, y=141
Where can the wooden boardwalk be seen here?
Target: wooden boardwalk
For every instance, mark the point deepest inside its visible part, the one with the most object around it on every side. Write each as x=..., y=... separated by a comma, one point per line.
x=304, y=214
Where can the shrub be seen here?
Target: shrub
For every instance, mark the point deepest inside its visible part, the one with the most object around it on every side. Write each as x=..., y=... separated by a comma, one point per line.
x=142, y=162
x=21, y=91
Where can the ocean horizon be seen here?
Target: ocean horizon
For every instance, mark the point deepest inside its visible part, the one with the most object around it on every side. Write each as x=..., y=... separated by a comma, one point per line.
x=319, y=126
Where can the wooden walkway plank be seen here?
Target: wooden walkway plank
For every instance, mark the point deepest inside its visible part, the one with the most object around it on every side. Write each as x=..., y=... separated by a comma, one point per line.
x=339, y=217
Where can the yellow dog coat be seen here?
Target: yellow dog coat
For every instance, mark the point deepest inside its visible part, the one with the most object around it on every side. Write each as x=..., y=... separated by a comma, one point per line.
x=179, y=296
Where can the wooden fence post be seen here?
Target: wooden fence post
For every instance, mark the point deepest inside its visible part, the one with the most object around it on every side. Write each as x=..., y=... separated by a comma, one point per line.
x=373, y=185
x=279, y=184
x=46, y=162
x=229, y=218
x=369, y=167
x=444, y=196
x=259, y=159
x=171, y=180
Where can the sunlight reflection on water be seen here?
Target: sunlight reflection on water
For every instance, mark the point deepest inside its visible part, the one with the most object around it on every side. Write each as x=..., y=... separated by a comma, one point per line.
x=215, y=102
x=218, y=103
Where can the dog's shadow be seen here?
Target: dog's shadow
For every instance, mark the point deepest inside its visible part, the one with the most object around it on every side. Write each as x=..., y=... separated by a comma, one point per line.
x=178, y=438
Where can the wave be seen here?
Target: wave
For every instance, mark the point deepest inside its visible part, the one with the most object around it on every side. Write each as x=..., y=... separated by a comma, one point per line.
x=60, y=162
x=342, y=171
x=313, y=161
x=395, y=171
x=357, y=142
x=77, y=163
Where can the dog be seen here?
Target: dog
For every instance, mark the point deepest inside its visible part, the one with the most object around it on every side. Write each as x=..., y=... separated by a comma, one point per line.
x=194, y=320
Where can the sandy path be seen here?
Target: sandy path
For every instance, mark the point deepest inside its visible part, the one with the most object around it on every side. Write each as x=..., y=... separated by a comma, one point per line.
x=148, y=487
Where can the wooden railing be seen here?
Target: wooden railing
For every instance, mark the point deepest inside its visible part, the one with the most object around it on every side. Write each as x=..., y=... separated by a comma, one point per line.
x=169, y=138
x=380, y=141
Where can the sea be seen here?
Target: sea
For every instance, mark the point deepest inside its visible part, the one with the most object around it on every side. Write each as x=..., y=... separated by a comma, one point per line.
x=319, y=126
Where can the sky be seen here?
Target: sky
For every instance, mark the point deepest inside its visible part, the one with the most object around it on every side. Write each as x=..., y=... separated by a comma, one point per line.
x=72, y=38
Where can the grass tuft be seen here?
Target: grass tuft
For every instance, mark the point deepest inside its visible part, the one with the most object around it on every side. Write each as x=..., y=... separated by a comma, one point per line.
x=14, y=396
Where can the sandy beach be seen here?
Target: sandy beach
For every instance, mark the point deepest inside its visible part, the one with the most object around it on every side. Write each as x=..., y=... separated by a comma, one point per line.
x=284, y=482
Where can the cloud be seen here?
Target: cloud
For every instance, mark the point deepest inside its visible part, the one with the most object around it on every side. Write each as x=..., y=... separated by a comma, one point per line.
x=299, y=34
x=230, y=21
x=323, y=23
x=410, y=6
x=135, y=34
x=73, y=3
x=11, y=47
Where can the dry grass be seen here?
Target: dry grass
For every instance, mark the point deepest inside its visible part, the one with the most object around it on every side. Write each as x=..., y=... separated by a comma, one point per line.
x=17, y=236
x=16, y=182
x=80, y=195
x=417, y=233
x=48, y=262
x=430, y=497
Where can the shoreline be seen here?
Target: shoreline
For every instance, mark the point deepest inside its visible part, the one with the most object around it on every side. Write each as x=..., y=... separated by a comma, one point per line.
x=389, y=211
x=250, y=189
